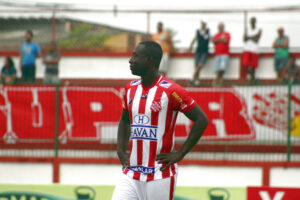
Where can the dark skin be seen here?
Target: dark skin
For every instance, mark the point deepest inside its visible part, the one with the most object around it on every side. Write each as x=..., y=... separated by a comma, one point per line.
x=143, y=66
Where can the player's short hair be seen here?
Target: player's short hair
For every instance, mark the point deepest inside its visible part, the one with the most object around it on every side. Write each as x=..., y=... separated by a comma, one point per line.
x=153, y=50
x=29, y=32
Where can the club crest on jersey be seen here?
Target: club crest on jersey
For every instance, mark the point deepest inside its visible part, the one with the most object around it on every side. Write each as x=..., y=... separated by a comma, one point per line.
x=156, y=106
x=165, y=84
x=136, y=82
x=142, y=132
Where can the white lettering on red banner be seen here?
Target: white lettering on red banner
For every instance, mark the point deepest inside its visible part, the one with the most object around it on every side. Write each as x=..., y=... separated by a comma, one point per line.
x=92, y=113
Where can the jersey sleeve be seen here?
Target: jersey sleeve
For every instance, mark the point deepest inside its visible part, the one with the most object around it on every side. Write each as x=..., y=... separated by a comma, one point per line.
x=182, y=101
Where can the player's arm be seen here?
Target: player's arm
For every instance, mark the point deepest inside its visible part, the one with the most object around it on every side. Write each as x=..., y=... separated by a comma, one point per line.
x=123, y=138
x=200, y=122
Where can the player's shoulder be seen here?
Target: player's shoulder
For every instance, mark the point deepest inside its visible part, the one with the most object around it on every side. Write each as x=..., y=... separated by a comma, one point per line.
x=169, y=85
x=133, y=83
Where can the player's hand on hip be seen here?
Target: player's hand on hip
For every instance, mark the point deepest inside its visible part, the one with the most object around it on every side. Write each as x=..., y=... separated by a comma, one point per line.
x=168, y=158
x=124, y=157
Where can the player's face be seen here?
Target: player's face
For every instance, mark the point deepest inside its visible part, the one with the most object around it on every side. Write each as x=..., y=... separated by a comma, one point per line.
x=138, y=61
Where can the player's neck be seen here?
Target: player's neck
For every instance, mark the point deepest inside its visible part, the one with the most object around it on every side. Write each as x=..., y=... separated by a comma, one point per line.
x=149, y=79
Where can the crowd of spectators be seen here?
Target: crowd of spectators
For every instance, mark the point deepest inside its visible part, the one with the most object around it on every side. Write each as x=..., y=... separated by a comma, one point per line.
x=284, y=64
x=29, y=52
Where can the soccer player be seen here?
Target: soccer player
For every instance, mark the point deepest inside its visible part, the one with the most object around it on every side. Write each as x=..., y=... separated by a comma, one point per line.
x=150, y=108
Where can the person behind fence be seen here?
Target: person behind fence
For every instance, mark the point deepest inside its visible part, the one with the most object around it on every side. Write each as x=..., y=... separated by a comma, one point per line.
x=250, y=54
x=8, y=71
x=51, y=61
x=201, y=54
x=281, y=57
x=292, y=71
x=150, y=108
x=221, y=41
x=163, y=38
x=28, y=53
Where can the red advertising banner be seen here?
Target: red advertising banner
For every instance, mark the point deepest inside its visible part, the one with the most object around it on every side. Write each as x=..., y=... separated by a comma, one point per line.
x=91, y=113
x=267, y=193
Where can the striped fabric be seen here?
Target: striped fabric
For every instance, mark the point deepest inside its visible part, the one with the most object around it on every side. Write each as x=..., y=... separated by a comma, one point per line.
x=153, y=111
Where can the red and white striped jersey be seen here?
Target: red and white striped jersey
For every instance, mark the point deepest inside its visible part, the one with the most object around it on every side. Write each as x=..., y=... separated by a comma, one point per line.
x=153, y=111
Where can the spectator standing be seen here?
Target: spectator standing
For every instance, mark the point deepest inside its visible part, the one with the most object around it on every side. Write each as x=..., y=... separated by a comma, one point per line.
x=281, y=46
x=28, y=53
x=250, y=54
x=292, y=72
x=221, y=41
x=201, y=54
x=163, y=38
x=8, y=71
x=51, y=60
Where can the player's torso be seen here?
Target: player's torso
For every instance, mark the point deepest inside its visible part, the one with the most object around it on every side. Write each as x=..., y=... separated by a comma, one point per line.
x=152, y=120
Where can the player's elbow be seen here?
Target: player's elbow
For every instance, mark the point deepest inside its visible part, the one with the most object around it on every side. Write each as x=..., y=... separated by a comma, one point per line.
x=202, y=120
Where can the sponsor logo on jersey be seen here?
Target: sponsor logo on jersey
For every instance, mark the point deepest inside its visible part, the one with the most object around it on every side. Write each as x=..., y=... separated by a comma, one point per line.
x=141, y=119
x=142, y=169
x=142, y=132
x=144, y=96
x=165, y=84
x=136, y=82
x=177, y=97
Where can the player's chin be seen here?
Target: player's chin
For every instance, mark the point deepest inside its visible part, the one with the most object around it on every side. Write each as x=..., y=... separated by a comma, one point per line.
x=135, y=72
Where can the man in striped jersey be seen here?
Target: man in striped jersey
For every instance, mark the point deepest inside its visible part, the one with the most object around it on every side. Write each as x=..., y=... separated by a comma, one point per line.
x=150, y=108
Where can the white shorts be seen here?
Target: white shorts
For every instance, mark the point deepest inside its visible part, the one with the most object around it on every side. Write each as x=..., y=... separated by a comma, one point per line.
x=164, y=63
x=130, y=189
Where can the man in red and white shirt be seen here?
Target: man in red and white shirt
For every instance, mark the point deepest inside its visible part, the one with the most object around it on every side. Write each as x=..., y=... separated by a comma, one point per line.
x=150, y=108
